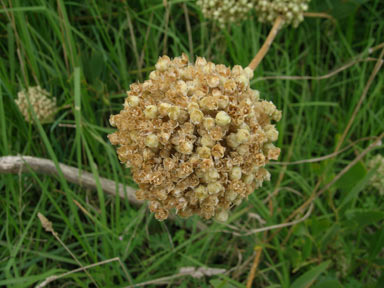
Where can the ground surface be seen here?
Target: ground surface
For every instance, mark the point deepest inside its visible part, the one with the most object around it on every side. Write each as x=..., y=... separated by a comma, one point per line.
x=88, y=54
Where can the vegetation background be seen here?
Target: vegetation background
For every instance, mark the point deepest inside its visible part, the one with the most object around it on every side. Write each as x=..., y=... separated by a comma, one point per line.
x=86, y=53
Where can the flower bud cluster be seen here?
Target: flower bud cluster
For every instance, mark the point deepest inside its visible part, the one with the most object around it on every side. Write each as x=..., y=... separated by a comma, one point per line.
x=225, y=11
x=292, y=11
x=377, y=179
x=42, y=104
x=196, y=137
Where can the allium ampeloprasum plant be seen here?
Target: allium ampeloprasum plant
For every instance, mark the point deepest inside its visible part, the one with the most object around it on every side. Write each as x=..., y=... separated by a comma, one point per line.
x=195, y=135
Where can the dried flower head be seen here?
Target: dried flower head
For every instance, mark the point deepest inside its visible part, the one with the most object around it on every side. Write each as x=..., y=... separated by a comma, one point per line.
x=377, y=180
x=205, y=149
x=225, y=11
x=292, y=11
x=42, y=104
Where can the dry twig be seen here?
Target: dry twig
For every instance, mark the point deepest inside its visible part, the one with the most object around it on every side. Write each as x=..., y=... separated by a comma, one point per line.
x=17, y=164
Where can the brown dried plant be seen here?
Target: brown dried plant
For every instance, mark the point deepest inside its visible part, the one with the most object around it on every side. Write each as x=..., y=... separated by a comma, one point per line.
x=196, y=137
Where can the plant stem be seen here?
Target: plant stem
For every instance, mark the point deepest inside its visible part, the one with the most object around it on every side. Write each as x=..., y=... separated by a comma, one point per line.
x=267, y=44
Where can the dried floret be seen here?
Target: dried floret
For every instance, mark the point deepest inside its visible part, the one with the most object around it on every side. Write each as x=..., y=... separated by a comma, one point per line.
x=150, y=112
x=40, y=102
x=222, y=118
x=202, y=154
x=218, y=151
x=132, y=101
x=151, y=141
x=235, y=173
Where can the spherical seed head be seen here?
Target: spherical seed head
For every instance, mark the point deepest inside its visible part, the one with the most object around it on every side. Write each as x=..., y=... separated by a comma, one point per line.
x=292, y=11
x=225, y=11
x=203, y=150
x=40, y=101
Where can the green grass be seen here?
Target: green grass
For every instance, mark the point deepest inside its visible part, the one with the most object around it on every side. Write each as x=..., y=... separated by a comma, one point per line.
x=86, y=53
